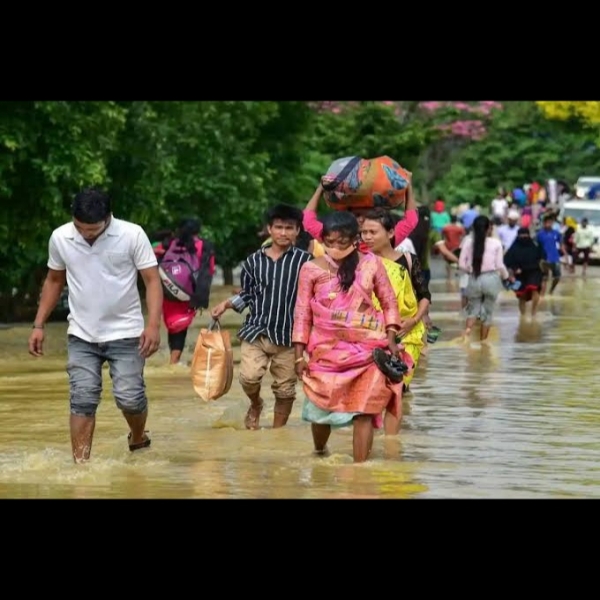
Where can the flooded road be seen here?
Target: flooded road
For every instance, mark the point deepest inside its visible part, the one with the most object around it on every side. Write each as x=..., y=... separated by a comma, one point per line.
x=517, y=419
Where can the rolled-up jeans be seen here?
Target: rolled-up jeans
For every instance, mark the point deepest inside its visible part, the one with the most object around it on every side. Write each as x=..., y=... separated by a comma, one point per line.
x=126, y=370
x=482, y=293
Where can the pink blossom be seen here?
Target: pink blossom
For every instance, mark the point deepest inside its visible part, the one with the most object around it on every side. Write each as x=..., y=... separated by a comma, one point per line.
x=481, y=107
x=491, y=104
x=467, y=127
x=482, y=110
x=431, y=106
x=470, y=129
x=326, y=106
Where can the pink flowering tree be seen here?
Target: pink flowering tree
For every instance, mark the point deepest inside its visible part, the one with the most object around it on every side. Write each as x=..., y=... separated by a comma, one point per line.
x=463, y=150
x=520, y=145
x=453, y=119
x=424, y=136
x=459, y=124
x=461, y=119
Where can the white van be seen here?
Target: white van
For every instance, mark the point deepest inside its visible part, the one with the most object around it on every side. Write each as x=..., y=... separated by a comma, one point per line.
x=590, y=210
x=584, y=184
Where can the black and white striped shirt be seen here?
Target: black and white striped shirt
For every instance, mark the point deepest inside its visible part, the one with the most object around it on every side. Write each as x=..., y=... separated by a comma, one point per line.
x=269, y=290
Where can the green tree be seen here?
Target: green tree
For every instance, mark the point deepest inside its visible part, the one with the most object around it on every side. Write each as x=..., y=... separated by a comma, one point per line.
x=223, y=162
x=370, y=129
x=521, y=146
x=48, y=150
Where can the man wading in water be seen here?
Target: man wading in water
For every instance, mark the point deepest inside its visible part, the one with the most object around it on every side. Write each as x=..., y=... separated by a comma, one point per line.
x=100, y=257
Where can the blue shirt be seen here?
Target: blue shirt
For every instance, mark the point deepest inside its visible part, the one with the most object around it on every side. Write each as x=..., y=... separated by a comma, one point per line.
x=549, y=241
x=469, y=216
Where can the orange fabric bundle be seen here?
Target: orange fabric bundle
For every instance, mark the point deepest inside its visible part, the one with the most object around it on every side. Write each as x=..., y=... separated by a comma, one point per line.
x=354, y=182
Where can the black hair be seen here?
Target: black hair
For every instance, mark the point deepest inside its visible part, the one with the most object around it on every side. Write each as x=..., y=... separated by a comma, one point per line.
x=396, y=218
x=284, y=212
x=481, y=228
x=420, y=234
x=91, y=206
x=344, y=223
x=187, y=230
x=303, y=240
x=385, y=217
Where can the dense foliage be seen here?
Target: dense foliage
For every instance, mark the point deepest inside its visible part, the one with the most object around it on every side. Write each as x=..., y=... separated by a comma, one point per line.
x=225, y=162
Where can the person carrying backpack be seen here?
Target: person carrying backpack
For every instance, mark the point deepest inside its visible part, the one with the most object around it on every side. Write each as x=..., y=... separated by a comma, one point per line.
x=186, y=268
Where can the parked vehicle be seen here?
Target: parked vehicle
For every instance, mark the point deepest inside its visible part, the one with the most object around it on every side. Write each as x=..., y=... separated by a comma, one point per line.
x=590, y=210
x=584, y=184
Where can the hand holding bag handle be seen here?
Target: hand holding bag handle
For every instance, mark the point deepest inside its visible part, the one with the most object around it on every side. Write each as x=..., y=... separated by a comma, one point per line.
x=214, y=324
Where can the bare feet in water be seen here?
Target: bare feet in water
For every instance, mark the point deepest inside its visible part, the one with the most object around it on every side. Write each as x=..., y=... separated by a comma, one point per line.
x=253, y=416
x=324, y=452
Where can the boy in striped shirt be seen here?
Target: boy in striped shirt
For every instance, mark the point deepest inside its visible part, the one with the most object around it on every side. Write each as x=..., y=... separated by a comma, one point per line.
x=269, y=283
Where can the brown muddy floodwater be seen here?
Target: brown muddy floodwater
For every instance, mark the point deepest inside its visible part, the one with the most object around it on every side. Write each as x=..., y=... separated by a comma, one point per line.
x=517, y=419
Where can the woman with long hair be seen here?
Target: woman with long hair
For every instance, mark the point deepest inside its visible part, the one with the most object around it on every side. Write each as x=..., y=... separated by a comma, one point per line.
x=179, y=315
x=523, y=259
x=422, y=239
x=338, y=326
x=404, y=272
x=482, y=257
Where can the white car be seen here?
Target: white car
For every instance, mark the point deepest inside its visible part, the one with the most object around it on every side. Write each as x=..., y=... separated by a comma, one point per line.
x=590, y=210
x=584, y=184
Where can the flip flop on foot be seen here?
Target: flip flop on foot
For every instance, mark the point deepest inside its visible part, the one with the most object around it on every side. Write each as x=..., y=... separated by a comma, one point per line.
x=143, y=444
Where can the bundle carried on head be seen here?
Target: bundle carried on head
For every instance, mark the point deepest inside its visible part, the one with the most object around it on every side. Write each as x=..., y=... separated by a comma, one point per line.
x=354, y=182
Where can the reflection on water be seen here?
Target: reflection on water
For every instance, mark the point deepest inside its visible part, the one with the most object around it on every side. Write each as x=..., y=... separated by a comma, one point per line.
x=515, y=418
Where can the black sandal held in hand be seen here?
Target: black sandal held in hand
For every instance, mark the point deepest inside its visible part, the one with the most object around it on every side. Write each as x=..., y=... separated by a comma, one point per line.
x=391, y=366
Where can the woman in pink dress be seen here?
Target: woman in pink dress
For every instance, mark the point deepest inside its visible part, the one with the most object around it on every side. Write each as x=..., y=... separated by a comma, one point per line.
x=337, y=325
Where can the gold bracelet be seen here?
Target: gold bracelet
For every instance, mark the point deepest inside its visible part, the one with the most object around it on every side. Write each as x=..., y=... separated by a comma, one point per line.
x=299, y=360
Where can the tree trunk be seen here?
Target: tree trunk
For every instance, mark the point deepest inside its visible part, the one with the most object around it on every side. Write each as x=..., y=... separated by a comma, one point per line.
x=227, y=275
x=20, y=308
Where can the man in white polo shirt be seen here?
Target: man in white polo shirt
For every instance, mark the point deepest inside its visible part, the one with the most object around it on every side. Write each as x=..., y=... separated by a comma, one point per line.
x=99, y=257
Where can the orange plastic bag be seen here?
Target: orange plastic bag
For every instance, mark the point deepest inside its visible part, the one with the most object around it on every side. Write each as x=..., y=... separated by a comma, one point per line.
x=354, y=182
x=212, y=363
